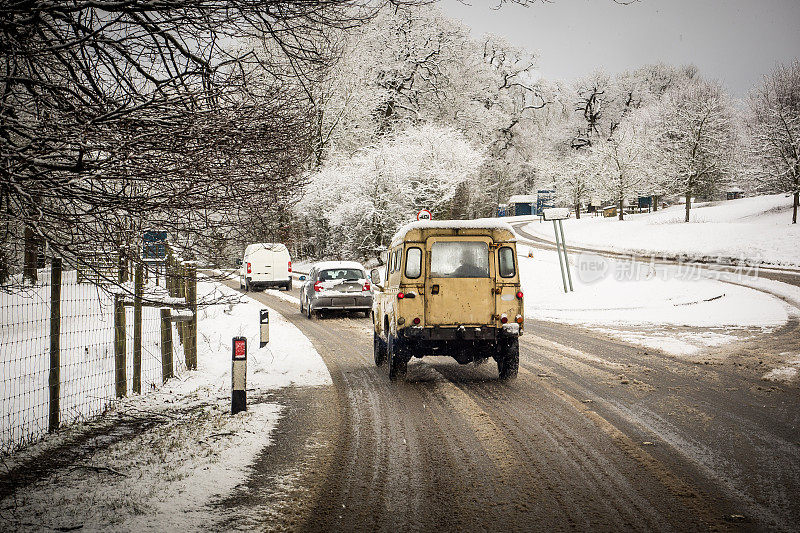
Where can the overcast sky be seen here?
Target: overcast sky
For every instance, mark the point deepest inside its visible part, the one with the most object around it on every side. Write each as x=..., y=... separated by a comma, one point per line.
x=734, y=41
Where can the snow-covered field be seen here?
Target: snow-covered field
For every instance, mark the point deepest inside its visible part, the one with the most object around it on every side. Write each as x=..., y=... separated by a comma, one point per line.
x=199, y=453
x=755, y=230
x=678, y=311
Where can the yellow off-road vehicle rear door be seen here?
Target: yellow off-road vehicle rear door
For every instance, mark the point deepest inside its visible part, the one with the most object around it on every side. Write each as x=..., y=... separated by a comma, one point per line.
x=459, y=285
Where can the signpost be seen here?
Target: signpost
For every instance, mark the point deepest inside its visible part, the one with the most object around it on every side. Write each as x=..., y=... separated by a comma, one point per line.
x=557, y=214
x=424, y=214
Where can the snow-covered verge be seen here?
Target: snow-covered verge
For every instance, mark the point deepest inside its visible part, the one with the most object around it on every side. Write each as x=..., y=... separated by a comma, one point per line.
x=668, y=308
x=756, y=230
x=156, y=462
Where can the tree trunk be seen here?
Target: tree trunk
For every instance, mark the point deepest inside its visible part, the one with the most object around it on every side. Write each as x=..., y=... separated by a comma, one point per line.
x=794, y=207
x=620, y=211
x=688, y=205
x=654, y=200
x=577, y=211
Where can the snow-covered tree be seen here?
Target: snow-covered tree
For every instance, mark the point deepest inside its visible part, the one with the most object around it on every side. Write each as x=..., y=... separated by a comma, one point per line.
x=775, y=132
x=621, y=169
x=695, y=135
x=364, y=198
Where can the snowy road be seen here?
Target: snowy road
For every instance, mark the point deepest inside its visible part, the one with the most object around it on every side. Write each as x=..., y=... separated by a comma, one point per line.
x=594, y=435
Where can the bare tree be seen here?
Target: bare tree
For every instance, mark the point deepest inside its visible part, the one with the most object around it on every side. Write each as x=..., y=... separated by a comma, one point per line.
x=775, y=132
x=177, y=114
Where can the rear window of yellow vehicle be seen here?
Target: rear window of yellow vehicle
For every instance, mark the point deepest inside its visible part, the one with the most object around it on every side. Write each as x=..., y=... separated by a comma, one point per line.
x=459, y=259
x=507, y=268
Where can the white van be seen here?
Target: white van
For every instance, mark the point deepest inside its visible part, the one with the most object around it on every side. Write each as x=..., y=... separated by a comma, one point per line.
x=264, y=265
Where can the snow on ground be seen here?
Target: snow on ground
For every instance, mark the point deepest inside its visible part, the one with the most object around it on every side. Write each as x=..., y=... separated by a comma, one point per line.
x=756, y=230
x=786, y=373
x=675, y=309
x=164, y=457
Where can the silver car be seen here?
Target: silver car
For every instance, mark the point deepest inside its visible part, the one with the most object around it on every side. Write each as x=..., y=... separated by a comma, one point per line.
x=341, y=285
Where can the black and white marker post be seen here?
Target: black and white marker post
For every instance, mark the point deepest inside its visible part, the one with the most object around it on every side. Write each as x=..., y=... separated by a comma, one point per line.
x=239, y=375
x=264, y=324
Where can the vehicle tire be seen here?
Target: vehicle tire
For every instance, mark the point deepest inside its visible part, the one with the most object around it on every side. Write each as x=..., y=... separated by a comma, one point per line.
x=302, y=310
x=508, y=358
x=308, y=310
x=378, y=349
x=289, y=285
x=395, y=358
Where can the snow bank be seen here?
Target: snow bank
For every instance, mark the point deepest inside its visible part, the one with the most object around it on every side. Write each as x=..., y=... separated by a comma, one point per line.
x=756, y=230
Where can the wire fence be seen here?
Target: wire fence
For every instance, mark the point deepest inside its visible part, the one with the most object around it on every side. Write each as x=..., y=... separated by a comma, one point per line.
x=70, y=346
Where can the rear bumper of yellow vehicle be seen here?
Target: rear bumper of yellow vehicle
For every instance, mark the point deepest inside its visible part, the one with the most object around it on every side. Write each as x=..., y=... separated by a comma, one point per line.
x=457, y=333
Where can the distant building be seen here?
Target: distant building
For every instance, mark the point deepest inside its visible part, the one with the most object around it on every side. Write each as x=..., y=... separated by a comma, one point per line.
x=610, y=211
x=733, y=193
x=521, y=204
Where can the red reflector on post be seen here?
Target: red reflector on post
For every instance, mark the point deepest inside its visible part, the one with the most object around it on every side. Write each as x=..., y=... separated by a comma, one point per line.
x=519, y=295
x=400, y=295
x=239, y=348
x=416, y=321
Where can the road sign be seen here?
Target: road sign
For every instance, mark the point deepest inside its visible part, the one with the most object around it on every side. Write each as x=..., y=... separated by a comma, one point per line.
x=556, y=213
x=154, y=245
x=424, y=214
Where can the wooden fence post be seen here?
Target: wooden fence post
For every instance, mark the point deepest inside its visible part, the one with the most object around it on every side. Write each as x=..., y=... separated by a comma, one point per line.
x=120, y=372
x=191, y=326
x=55, y=344
x=182, y=294
x=166, y=344
x=138, y=292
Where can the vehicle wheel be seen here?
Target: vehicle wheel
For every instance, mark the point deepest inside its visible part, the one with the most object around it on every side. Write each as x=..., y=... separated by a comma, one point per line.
x=508, y=358
x=289, y=285
x=395, y=357
x=308, y=311
x=378, y=349
x=302, y=310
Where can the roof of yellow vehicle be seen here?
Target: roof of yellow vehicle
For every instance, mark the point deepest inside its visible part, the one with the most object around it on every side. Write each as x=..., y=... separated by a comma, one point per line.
x=501, y=231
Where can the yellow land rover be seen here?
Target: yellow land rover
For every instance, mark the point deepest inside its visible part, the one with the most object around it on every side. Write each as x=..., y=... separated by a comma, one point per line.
x=449, y=288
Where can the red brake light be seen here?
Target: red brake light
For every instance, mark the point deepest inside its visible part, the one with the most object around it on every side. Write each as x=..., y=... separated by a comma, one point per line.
x=318, y=286
x=290, y=266
x=519, y=295
x=248, y=269
x=366, y=286
x=400, y=295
